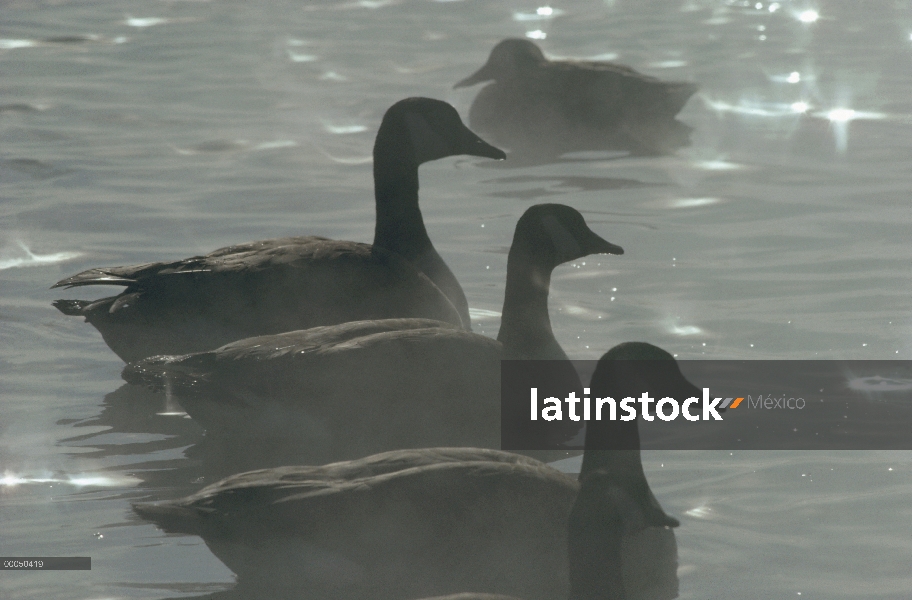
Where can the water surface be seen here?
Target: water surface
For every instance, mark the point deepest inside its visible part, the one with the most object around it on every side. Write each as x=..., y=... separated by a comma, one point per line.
x=137, y=131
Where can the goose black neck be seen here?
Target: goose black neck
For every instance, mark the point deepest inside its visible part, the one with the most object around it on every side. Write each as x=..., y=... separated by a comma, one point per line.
x=525, y=329
x=595, y=542
x=400, y=227
x=613, y=447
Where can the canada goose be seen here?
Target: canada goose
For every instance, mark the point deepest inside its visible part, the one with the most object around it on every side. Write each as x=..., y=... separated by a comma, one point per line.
x=539, y=106
x=411, y=523
x=285, y=284
x=358, y=388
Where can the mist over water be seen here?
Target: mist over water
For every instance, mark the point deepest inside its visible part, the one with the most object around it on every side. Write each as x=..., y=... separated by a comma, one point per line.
x=142, y=131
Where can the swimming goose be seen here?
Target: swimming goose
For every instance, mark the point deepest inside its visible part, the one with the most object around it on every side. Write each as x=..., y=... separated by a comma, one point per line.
x=539, y=106
x=412, y=523
x=363, y=387
x=292, y=283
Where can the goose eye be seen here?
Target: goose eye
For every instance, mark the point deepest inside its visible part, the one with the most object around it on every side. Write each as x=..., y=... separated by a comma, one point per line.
x=564, y=241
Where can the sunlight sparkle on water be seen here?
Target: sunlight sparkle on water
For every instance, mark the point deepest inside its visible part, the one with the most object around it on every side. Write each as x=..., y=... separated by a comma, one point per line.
x=343, y=129
x=374, y=3
x=83, y=480
x=841, y=115
x=299, y=57
x=31, y=259
x=685, y=330
x=808, y=16
x=13, y=44
x=692, y=202
x=840, y=118
x=673, y=327
x=538, y=34
x=144, y=22
x=541, y=13
x=11, y=480
x=718, y=165
x=755, y=109
x=668, y=64
x=275, y=144
x=700, y=512
x=480, y=314
x=794, y=77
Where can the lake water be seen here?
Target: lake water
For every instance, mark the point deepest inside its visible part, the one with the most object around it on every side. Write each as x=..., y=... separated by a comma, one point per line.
x=138, y=131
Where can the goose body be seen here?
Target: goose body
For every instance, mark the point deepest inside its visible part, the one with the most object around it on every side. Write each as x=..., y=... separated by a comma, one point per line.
x=536, y=105
x=424, y=522
x=355, y=388
x=293, y=283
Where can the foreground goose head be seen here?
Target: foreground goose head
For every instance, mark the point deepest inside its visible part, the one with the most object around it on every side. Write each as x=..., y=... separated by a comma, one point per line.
x=418, y=130
x=547, y=235
x=509, y=58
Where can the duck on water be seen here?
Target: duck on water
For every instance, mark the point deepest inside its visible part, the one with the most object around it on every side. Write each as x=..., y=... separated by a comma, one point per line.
x=423, y=522
x=358, y=388
x=285, y=284
x=538, y=106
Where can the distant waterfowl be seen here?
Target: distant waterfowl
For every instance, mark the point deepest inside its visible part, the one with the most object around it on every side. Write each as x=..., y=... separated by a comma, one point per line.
x=412, y=523
x=363, y=387
x=293, y=283
x=539, y=106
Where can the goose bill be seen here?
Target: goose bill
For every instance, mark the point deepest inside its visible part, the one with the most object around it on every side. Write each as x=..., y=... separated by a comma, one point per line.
x=476, y=77
x=597, y=245
x=475, y=146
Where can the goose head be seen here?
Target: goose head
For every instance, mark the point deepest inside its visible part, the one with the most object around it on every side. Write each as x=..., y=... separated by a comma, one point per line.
x=551, y=234
x=508, y=59
x=629, y=370
x=612, y=447
x=419, y=130
x=546, y=236
x=653, y=370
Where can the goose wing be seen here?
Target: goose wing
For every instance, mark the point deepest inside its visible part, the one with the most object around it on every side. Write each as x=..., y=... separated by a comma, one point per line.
x=253, y=289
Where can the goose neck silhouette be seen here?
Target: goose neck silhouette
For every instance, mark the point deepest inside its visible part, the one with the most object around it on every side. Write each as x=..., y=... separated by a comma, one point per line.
x=546, y=236
x=628, y=370
x=525, y=321
x=409, y=136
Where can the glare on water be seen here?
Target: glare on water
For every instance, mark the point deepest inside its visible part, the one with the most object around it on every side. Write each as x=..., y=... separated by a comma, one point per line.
x=136, y=132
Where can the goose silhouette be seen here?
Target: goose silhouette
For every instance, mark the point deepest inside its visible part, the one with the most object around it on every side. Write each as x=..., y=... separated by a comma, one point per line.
x=539, y=106
x=285, y=284
x=422, y=522
x=358, y=388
